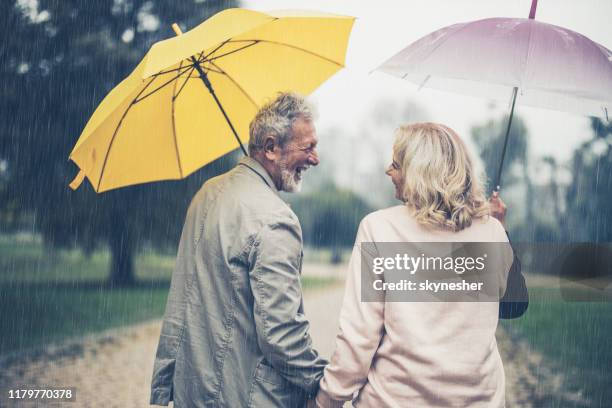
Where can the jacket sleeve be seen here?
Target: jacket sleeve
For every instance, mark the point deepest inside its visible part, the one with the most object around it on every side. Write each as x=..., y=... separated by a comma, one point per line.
x=282, y=328
x=515, y=301
x=361, y=330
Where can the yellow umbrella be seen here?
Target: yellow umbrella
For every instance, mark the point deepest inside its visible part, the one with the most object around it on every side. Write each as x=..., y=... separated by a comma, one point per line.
x=178, y=109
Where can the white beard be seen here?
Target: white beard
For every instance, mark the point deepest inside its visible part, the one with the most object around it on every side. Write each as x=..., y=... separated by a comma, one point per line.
x=291, y=180
x=292, y=183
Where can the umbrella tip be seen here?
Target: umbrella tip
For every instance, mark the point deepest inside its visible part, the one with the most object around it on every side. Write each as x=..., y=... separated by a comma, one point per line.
x=532, y=12
x=177, y=29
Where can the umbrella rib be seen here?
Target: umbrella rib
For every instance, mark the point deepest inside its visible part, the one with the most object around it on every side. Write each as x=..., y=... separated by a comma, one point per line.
x=187, y=78
x=527, y=55
x=161, y=86
x=117, y=130
x=241, y=89
x=208, y=69
x=201, y=58
x=206, y=59
x=295, y=48
x=167, y=71
x=174, y=95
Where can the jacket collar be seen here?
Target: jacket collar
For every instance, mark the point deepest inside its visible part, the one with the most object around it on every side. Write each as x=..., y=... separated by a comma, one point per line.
x=258, y=169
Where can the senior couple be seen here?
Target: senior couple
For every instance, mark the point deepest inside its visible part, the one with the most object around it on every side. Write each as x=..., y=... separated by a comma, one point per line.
x=234, y=332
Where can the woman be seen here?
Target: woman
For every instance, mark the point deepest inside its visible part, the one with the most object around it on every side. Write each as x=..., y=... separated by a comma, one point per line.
x=421, y=354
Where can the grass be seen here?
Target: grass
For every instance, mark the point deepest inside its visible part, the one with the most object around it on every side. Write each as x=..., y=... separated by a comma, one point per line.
x=576, y=337
x=42, y=314
x=46, y=297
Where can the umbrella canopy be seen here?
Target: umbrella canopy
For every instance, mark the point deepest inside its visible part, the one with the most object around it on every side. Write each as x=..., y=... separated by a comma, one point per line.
x=531, y=62
x=177, y=110
x=551, y=66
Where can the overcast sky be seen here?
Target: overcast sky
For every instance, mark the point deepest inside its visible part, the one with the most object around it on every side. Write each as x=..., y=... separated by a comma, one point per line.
x=384, y=27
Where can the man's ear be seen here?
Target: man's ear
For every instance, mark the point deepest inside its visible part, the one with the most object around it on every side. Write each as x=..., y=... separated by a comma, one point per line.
x=270, y=149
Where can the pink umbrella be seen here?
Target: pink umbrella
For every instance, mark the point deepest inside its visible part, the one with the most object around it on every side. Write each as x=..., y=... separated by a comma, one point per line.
x=539, y=64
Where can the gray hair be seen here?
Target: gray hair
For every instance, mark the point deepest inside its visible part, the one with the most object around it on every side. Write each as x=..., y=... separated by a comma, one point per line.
x=276, y=118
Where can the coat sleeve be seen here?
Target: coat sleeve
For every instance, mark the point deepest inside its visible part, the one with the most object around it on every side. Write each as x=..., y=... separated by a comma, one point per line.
x=361, y=330
x=162, y=382
x=282, y=329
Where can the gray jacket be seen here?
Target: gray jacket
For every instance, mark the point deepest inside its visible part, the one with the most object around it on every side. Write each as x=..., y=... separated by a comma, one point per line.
x=234, y=332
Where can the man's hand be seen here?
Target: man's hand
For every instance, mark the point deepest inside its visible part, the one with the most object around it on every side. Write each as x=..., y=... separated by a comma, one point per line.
x=498, y=208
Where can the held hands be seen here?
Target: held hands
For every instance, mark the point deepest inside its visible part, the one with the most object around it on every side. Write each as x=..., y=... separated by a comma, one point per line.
x=498, y=208
x=324, y=402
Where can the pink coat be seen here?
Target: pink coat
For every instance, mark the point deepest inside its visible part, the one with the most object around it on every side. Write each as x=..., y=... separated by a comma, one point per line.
x=409, y=354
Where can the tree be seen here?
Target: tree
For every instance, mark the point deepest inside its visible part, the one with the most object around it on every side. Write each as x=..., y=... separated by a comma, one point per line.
x=589, y=213
x=59, y=58
x=489, y=139
x=551, y=193
x=330, y=217
x=357, y=158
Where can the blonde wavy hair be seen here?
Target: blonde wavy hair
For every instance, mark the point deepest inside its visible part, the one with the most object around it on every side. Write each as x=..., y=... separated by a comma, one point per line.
x=440, y=184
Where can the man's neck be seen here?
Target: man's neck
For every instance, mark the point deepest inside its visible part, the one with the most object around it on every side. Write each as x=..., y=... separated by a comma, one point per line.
x=270, y=167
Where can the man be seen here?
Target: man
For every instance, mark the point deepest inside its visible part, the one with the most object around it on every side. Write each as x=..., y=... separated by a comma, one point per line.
x=234, y=332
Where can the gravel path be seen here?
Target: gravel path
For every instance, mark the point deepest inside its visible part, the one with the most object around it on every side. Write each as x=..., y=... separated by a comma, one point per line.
x=113, y=368
x=530, y=380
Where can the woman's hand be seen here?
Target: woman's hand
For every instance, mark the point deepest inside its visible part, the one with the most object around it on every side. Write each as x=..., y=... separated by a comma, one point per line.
x=498, y=208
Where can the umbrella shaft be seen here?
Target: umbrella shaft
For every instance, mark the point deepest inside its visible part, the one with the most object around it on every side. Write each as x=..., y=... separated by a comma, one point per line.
x=501, y=162
x=206, y=81
x=532, y=11
x=203, y=75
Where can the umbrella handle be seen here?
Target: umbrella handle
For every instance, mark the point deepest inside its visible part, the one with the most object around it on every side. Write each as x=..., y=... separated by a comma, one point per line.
x=74, y=184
